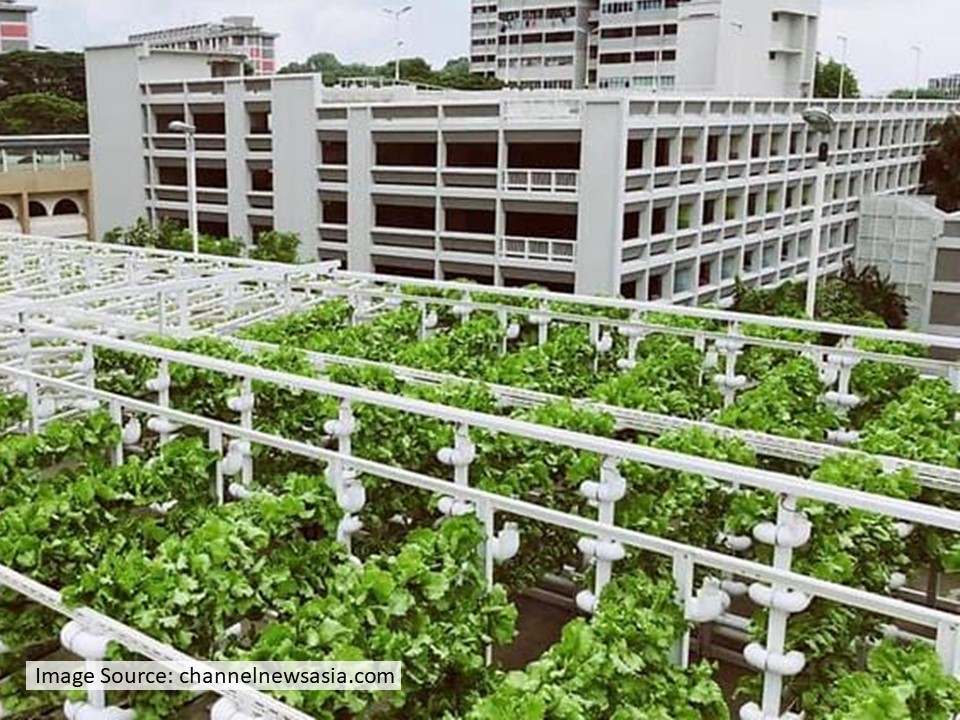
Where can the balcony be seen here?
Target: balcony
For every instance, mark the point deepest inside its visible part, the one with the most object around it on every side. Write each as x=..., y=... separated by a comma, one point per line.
x=539, y=250
x=565, y=182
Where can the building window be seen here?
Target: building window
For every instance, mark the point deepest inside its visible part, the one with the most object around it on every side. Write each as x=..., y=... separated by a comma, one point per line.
x=659, y=224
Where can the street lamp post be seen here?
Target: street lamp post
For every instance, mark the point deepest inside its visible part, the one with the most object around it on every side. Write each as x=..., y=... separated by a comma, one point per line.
x=843, y=63
x=189, y=131
x=916, y=76
x=397, y=14
x=822, y=123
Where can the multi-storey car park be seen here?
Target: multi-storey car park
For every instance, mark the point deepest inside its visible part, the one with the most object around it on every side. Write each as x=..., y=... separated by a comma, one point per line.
x=653, y=197
x=78, y=338
x=763, y=48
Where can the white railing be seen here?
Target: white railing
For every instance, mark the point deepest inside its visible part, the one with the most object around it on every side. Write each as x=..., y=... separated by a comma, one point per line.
x=549, y=181
x=538, y=249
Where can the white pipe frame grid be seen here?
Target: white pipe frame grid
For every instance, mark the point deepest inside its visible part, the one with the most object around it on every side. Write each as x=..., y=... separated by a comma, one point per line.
x=935, y=477
x=686, y=558
x=389, y=287
x=605, y=548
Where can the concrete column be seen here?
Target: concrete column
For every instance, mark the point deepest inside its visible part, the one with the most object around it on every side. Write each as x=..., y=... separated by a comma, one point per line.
x=602, y=178
x=295, y=160
x=238, y=181
x=25, y=213
x=359, y=200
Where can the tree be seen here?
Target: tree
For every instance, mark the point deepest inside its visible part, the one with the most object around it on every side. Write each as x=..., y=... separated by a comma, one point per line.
x=455, y=74
x=941, y=166
x=827, y=84
x=276, y=246
x=922, y=94
x=55, y=73
x=41, y=114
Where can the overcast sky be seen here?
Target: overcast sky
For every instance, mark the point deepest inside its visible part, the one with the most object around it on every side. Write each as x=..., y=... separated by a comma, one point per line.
x=881, y=31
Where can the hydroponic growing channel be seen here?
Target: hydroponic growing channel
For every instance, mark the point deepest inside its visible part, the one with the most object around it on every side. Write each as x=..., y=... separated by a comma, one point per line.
x=224, y=459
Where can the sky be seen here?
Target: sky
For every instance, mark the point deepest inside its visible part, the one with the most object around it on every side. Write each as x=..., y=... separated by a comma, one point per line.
x=881, y=32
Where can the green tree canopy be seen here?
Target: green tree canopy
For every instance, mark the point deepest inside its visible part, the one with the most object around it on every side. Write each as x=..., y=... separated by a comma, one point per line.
x=41, y=114
x=55, y=73
x=827, y=84
x=922, y=94
x=941, y=166
x=455, y=74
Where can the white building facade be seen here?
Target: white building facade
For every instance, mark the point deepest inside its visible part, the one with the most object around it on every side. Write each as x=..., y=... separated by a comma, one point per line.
x=949, y=85
x=726, y=47
x=917, y=246
x=237, y=34
x=600, y=192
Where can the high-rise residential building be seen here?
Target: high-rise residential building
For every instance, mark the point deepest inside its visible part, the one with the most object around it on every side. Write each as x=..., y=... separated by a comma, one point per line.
x=236, y=34
x=654, y=196
x=948, y=85
x=732, y=47
x=16, y=26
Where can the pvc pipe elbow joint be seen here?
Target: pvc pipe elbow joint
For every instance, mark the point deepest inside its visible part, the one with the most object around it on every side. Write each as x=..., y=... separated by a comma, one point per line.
x=340, y=428
x=737, y=543
x=226, y=709
x=459, y=456
x=734, y=588
x=586, y=602
x=160, y=425
x=632, y=331
x=240, y=492
x=84, y=366
x=611, y=490
x=537, y=319
x=241, y=403
x=784, y=664
x=626, y=364
x=787, y=601
x=159, y=383
x=711, y=359
x=349, y=526
x=897, y=581
x=904, y=529
x=430, y=320
x=729, y=345
x=85, y=711
x=842, y=400
x=709, y=604
x=461, y=310
x=132, y=432
x=731, y=383
x=791, y=535
x=844, y=361
x=83, y=643
x=451, y=507
x=605, y=343
x=843, y=437
x=513, y=331
x=352, y=498
x=231, y=464
x=506, y=544
x=604, y=550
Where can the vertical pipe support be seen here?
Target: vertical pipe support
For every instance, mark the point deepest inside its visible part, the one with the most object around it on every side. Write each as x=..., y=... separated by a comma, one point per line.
x=683, y=575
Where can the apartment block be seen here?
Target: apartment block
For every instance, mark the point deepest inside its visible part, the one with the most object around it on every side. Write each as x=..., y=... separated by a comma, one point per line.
x=948, y=85
x=918, y=247
x=655, y=197
x=16, y=26
x=237, y=34
x=724, y=47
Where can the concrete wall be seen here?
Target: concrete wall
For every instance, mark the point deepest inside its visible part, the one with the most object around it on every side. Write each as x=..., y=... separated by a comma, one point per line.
x=295, y=160
x=116, y=148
